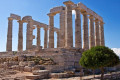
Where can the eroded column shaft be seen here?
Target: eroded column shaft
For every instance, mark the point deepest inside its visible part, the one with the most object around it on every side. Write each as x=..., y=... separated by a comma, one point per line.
x=29, y=37
x=20, y=36
x=78, y=43
x=97, y=37
x=45, y=37
x=51, y=31
x=91, y=32
x=102, y=40
x=38, y=37
x=85, y=31
x=62, y=28
x=9, y=34
x=68, y=24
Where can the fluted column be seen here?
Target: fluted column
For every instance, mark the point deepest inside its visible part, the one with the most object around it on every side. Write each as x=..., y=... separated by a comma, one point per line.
x=29, y=37
x=9, y=34
x=51, y=30
x=38, y=36
x=85, y=31
x=91, y=32
x=45, y=37
x=97, y=38
x=58, y=39
x=62, y=28
x=68, y=25
x=102, y=40
x=20, y=36
x=78, y=43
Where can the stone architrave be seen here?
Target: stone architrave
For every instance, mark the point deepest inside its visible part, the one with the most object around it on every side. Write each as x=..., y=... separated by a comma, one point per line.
x=68, y=24
x=62, y=28
x=97, y=37
x=91, y=32
x=20, y=36
x=85, y=31
x=102, y=40
x=51, y=30
x=45, y=37
x=38, y=36
x=78, y=42
x=9, y=35
x=29, y=37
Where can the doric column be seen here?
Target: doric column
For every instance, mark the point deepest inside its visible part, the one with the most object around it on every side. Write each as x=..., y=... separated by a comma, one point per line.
x=85, y=31
x=68, y=24
x=102, y=40
x=51, y=30
x=97, y=38
x=91, y=32
x=20, y=36
x=45, y=37
x=62, y=28
x=29, y=37
x=38, y=36
x=58, y=39
x=9, y=35
x=78, y=43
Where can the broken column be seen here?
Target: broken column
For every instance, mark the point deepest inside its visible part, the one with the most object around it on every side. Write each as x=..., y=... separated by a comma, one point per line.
x=68, y=24
x=9, y=35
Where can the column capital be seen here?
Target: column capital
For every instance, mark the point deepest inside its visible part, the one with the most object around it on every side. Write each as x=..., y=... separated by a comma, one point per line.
x=20, y=21
x=51, y=14
x=45, y=28
x=9, y=18
x=84, y=12
x=38, y=26
x=68, y=3
x=91, y=17
x=96, y=20
x=77, y=8
x=101, y=22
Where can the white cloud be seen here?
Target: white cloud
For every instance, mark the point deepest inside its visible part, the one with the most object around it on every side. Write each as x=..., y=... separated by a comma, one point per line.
x=117, y=51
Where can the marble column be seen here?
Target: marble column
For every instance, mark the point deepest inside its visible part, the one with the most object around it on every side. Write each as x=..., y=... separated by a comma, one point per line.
x=62, y=28
x=78, y=42
x=68, y=24
x=85, y=31
x=45, y=37
x=97, y=38
x=102, y=41
x=58, y=39
x=91, y=32
x=20, y=36
x=51, y=30
x=38, y=36
x=9, y=34
x=29, y=37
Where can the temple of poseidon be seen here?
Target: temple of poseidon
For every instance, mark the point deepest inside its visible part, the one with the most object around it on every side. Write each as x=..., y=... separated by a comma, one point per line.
x=65, y=56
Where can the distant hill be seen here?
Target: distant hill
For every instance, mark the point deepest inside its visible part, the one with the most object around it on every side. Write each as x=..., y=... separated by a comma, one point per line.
x=117, y=51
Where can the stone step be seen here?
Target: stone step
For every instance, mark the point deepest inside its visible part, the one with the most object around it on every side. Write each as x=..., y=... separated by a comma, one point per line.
x=44, y=74
x=59, y=75
x=33, y=77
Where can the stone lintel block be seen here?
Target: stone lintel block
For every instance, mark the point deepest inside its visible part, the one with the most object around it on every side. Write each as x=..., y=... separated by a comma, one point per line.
x=68, y=3
x=16, y=17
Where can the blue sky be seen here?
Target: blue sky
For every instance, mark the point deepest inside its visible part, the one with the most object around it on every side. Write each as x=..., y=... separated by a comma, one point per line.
x=38, y=9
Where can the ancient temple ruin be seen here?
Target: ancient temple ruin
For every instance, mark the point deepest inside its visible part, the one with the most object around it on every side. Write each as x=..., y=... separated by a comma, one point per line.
x=65, y=55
